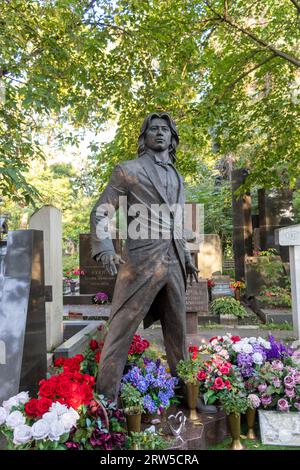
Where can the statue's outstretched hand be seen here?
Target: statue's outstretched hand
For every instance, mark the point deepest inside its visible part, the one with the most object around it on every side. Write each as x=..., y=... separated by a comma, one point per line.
x=110, y=261
x=191, y=272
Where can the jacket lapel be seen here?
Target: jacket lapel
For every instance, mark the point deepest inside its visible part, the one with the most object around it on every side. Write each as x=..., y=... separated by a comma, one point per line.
x=150, y=169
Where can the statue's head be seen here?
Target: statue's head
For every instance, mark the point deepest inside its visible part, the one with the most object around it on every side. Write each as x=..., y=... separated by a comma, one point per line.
x=159, y=133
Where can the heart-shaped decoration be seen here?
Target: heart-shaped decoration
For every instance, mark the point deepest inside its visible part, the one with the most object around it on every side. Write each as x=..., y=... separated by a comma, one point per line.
x=176, y=423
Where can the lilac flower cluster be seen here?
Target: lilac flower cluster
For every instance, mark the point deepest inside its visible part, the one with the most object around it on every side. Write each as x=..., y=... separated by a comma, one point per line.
x=277, y=350
x=279, y=386
x=155, y=384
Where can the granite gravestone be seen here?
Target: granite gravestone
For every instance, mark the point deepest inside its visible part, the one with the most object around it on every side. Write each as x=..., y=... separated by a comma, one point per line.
x=22, y=313
x=275, y=211
x=49, y=220
x=95, y=278
x=242, y=223
x=221, y=287
x=209, y=257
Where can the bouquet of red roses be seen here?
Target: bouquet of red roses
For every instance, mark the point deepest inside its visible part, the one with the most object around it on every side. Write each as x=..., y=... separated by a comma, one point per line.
x=137, y=347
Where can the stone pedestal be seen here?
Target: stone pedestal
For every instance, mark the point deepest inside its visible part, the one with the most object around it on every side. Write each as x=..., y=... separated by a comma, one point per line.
x=196, y=437
x=49, y=220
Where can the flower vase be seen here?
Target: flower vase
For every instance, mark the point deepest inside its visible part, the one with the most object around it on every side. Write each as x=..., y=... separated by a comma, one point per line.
x=237, y=293
x=250, y=416
x=234, y=422
x=192, y=391
x=133, y=422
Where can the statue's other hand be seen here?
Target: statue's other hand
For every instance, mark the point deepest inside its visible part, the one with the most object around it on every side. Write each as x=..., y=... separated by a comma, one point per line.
x=191, y=272
x=109, y=261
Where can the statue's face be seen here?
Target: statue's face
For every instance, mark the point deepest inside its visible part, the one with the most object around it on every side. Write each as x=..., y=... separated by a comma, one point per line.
x=158, y=135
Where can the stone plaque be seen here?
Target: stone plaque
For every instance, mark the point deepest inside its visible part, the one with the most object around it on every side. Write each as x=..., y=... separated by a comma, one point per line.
x=221, y=288
x=288, y=236
x=278, y=428
x=95, y=279
x=197, y=296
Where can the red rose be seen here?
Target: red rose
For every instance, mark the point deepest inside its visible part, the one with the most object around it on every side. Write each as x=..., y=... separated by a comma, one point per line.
x=193, y=349
x=86, y=393
x=235, y=339
x=227, y=384
x=79, y=357
x=146, y=343
x=211, y=339
x=219, y=384
x=48, y=388
x=93, y=345
x=59, y=361
x=31, y=408
x=43, y=405
x=224, y=370
x=194, y=355
x=139, y=348
x=89, y=379
x=71, y=364
x=97, y=356
x=63, y=388
x=201, y=375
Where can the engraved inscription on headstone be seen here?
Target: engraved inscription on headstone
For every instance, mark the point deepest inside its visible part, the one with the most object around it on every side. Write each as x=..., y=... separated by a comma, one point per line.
x=221, y=288
x=197, y=296
x=96, y=278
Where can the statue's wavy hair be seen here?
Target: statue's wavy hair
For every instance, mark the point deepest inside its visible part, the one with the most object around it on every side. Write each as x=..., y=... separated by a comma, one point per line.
x=142, y=149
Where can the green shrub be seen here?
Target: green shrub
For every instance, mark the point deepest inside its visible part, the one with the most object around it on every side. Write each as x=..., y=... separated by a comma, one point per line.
x=228, y=306
x=148, y=440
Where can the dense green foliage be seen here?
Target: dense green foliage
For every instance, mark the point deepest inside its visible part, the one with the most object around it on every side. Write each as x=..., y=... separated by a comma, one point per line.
x=227, y=71
x=228, y=306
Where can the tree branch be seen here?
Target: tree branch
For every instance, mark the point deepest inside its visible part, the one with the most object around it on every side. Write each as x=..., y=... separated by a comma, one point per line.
x=296, y=4
x=243, y=75
x=293, y=60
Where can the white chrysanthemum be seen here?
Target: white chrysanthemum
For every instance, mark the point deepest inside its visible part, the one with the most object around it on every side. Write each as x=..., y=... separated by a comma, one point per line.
x=252, y=340
x=15, y=419
x=247, y=348
x=237, y=347
x=56, y=431
x=22, y=434
x=40, y=429
x=3, y=415
x=58, y=408
x=22, y=397
x=257, y=358
x=263, y=342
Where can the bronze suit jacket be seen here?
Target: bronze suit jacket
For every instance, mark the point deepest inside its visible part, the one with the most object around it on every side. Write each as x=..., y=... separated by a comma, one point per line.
x=139, y=181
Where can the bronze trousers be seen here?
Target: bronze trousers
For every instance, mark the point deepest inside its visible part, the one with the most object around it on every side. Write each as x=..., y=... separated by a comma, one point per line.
x=165, y=291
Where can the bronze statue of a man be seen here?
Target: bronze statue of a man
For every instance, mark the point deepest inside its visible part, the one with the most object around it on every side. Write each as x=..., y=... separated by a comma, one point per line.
x=151, y=279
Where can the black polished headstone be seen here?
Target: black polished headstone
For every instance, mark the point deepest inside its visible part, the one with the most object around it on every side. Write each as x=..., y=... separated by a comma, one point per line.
x=242, y=223
x=96, y=278
x=22, y=314
x=275, y=211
